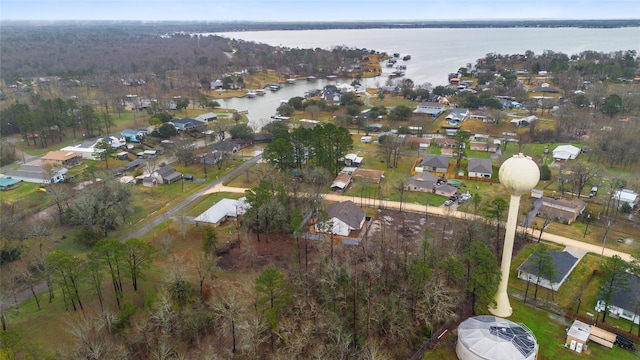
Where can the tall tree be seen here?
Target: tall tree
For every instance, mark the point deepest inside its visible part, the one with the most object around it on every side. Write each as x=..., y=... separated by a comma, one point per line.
x=615, y=279
x=483, y=276
x=495, y=211
x=112, y=253
x=138, y=257
x=104, y=151
x=68, y=269
x=276, y=295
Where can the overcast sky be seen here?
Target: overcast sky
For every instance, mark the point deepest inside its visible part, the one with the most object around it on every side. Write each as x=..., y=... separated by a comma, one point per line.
x=316, y=10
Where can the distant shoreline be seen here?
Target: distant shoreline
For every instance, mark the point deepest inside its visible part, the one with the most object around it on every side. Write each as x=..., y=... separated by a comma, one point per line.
x=229, y=26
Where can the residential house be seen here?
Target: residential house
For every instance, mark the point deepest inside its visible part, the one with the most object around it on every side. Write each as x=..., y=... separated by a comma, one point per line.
x=86, y=149
x=525, y=121
x=435, y=163
x=565, y=152
x=216, y=85
x=424, y=182
x=479, y=168
x=228, y=147
x=166, y=175
x=222, y=210
x=352, y=160
x=447, y=143
x=565, y=210
x=37, y=174
x=208, y=117
x=65, y=159
x=115, y=140
x=341, y=182
x=446, y=190
x=483, y=146
x=483, y=115
x=344, y=217
x=187, y=124
x=431, y=108
x=626, y=196
x=625, y=304
x=458, y=115
x=133, y=135
x=563, y=261
x=8, y=183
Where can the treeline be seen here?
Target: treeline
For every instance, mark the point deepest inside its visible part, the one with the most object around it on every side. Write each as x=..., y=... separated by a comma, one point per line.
x=104, y=55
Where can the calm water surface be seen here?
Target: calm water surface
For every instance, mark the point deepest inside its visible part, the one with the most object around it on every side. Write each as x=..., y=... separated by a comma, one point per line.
x=435, y=52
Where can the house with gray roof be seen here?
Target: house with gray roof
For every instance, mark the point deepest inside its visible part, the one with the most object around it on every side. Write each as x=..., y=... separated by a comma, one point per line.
x=564, y=262
x=187, y=124
x=479, y=168
x=424, y=182
x=458, y=114
x=435, y=163
x=207, y=117
x=625, y=304
x=166, y=175
x=565, y=210
x=344, y=217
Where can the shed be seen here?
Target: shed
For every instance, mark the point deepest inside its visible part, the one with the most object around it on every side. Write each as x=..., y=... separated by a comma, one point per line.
x=578, y=333
x=7, y=183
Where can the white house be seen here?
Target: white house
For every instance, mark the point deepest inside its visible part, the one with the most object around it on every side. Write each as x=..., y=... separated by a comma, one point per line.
x=566, y=152
x=344, y=217
x=626, y=195
x=432, y=108
x=223, y=209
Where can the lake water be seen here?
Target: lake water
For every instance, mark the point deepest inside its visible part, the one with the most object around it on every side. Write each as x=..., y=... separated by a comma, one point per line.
x=434, y=52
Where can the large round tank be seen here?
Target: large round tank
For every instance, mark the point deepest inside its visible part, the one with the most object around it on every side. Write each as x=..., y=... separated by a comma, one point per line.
x=494, y=338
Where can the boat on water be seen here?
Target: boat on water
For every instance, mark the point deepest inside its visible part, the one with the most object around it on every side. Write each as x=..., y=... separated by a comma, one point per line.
x=406, y=57
x=396, y=54
x=396, y=74
x=260, y=92
x=274, y=87
x=390, y=64
x=401, y=67
x=251, y=94
x=280, y=118
x=332, y=77
x=291, y=81
x=311, y=78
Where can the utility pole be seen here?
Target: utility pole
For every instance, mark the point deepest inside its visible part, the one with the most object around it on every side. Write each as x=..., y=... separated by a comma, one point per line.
x=604, y=241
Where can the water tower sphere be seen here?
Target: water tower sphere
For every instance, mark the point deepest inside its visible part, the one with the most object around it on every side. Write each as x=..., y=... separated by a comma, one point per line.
x=519, y=174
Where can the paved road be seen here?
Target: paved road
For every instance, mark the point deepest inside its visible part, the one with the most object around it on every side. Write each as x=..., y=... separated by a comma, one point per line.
x=182, y=204
x=448, y=211
x=40, y=287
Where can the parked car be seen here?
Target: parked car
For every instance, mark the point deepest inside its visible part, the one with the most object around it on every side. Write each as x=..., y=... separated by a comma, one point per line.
x=188, y=177
x=448, y=202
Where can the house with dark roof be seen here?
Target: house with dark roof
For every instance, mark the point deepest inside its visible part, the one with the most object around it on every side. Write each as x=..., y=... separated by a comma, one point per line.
x=166, y=175
x=344, y=217
x=479, y=168
x=563, y=209
x=424, y=182
x=435, y=163
x=564, y=263
x=187, y=124
x=625, y=304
